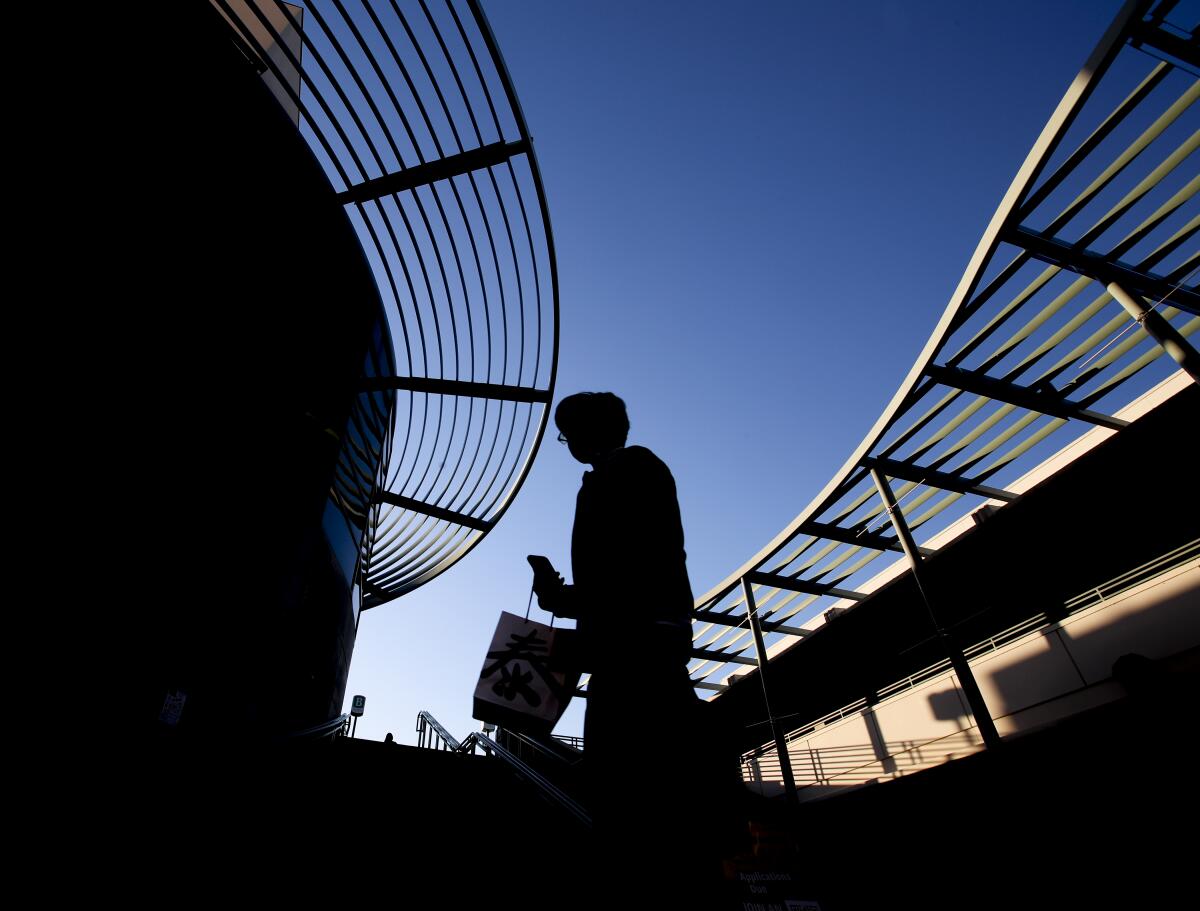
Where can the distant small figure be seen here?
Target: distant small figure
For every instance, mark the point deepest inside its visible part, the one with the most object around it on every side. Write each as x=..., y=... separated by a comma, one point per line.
x=389, y=738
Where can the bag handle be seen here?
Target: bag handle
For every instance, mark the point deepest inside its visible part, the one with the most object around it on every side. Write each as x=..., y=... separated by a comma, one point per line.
x=529, y=606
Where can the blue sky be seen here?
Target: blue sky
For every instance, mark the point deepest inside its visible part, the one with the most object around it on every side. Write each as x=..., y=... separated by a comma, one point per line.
x=760, y=212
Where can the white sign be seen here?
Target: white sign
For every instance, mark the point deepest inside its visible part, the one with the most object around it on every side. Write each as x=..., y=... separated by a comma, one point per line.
x=517, y=676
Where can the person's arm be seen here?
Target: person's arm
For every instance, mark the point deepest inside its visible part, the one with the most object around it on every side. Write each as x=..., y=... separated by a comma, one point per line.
x=552, y=593
x=564, y=601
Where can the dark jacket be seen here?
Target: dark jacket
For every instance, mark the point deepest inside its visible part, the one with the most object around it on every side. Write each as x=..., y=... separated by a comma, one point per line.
x=631, y=587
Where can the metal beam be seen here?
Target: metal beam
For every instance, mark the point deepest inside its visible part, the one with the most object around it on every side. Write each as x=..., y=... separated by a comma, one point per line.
x=433, y=171
x=870, y=539
x=736, y=621
x=437, y=512
x=772, y=627
x=1172, y=45
x=434, y=386
x=966, y=678
x=705, y=685
x=1097, y=267
x=1157, y=327
x=1028, y=397
x=907, y=471
x=372, y=590
x=802, y=585
x=1089, y=145
x=785, y=759
x=1161, y=10
x=711, y=616
x=722, y=657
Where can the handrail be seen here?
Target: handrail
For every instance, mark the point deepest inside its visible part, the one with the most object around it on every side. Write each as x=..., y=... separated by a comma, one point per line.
x=1136, y=576
x=569, y=740
x=426, y=723
x=334, y=727
x=542, y=747
x=537, y=780
x=819, y=758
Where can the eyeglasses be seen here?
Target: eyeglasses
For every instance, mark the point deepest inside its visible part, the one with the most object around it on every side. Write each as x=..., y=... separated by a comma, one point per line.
x=561, y=438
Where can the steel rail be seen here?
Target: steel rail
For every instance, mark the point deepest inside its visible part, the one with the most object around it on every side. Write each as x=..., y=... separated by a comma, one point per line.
x=425, y=221
x=1006, y=432
x=451, y=264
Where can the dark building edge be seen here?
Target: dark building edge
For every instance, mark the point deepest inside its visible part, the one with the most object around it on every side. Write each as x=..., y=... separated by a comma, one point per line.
x=232, y=314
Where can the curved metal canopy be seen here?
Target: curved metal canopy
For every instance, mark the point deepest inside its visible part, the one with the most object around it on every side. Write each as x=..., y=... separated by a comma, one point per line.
x=1036, y=348
x=410, y=111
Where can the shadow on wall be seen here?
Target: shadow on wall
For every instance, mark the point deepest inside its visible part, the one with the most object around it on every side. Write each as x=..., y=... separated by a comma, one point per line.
x=1045, y=676
x=1157, y=620
x=821, y=771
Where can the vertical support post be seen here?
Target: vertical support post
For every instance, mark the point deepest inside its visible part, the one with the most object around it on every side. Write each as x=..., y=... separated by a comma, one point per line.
x=966, y=679
x=1157, y=327
x=785, y=760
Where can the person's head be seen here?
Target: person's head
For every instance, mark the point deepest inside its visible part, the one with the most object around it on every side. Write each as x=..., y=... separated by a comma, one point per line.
x=592, y=423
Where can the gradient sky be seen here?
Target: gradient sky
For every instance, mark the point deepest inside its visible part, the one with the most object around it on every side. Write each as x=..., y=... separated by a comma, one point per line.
x=760, y=212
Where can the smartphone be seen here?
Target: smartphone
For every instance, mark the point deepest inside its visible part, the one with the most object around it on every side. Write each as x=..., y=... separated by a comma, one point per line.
x=542, y=567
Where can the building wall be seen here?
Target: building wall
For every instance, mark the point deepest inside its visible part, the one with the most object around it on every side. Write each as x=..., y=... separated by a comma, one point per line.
x=1049, y=673
x=261, y=308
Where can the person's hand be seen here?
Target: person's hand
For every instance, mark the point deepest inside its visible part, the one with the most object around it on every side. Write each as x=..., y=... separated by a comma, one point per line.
x=549, y=593
x=547, y=586
x=559, y=599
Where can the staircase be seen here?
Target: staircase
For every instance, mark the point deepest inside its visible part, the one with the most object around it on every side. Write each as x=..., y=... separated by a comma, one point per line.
x=335, y=821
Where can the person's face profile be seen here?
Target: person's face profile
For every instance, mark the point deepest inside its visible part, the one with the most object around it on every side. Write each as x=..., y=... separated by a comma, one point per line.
x=580, y=449
x=580, y=446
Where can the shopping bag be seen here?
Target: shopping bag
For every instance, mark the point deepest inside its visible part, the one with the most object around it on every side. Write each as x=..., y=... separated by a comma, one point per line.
x=528, y=677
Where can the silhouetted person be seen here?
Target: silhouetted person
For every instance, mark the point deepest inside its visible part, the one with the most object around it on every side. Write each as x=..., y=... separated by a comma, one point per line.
x=633, y=602
x=389, y=738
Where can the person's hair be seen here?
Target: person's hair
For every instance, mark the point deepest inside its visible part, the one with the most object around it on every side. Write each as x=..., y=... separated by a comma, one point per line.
x=598, y=417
